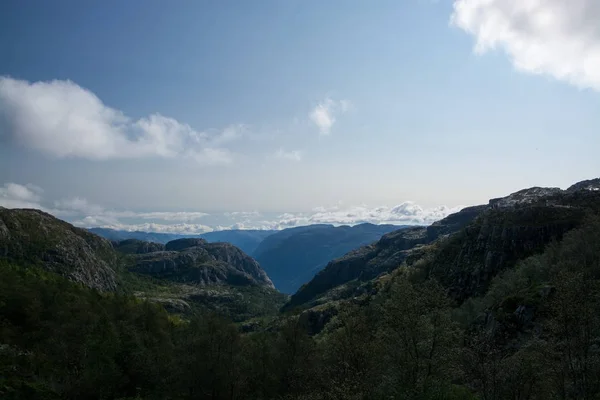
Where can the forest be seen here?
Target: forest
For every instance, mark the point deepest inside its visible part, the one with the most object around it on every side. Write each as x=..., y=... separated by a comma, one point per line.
x=534, y=334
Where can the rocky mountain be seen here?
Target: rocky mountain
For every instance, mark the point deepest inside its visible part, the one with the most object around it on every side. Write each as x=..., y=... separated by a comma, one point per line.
x=465, y=250
x=135, y=246
x=33, y=237
x=195, y=261
x=246, y=240
x=509, y=230
x=388, y=253
x=293, y=256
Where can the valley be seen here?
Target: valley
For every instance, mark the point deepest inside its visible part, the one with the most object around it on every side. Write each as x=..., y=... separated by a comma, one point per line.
x=489, y=300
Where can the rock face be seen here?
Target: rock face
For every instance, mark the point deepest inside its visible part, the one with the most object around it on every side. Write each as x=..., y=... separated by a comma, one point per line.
x=591, y=185
x=199, y=262
x=512, y=229
x=293, y=256
x=32, y=237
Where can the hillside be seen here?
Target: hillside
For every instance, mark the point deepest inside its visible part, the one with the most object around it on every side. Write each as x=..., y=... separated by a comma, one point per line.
x=32, y=237
x=246, y=240
x=195, y=261
x=185, y=275
x=464, y=252
x=499, y=301
x=388, y=253
x=293, y=256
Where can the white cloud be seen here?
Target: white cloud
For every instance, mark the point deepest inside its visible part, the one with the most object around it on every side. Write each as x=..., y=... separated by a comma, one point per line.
x=62, y=119
x=294, y=155
x=82, y=213
x=76, y=205
x=406, y=213
x=14, y=195
x=181, y=228
x=323, y=115
x=81, y=207
x=559, y=38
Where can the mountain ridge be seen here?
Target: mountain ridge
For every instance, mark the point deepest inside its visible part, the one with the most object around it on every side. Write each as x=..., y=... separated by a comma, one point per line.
x=293, y=256
x=477, y=236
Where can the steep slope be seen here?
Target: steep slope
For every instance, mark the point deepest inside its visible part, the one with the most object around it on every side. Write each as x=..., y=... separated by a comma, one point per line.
x=196, y=261
x=246, y=240
x=388, y=253
x=466, y=250
x=293, y=256
x=32, y=237
x=511, y=229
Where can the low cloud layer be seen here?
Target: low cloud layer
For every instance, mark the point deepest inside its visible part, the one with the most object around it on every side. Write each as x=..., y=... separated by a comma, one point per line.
x=558, y=38
x=13, y=195
x=83, y=213
x=62, y=119
x=407, y=213
x=324, y=114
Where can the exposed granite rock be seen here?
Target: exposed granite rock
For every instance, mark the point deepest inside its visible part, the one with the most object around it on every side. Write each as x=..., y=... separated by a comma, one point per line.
x=202, y=263
x=524, y=197
x=33, y=237
x=591, y=185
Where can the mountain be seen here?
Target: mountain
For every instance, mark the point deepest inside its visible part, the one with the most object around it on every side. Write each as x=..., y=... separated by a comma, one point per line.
x=293, y=256
x=498, y=301
x=185, y=275
x=388, y=253
x=246, y=240
x=463, y=251
x=135, y=246
x=195, y=261
x=33, y=237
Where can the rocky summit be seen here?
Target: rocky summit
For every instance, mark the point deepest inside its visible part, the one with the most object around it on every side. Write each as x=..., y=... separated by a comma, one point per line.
x=33, y=237
x=196, y=261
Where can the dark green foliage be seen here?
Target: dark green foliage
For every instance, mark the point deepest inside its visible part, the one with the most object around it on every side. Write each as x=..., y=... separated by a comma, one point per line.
x=527, y=328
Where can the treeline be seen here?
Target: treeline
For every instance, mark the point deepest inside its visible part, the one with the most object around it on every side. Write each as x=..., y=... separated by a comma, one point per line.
x=534, y=335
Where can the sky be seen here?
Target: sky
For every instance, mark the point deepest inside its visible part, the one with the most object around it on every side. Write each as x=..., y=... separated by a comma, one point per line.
x=190, y=116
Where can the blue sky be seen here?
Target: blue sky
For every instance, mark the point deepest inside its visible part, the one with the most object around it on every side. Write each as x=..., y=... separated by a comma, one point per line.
x=291, y=112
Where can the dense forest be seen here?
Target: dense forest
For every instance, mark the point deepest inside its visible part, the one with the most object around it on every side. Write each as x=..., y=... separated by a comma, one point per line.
x=60, y=340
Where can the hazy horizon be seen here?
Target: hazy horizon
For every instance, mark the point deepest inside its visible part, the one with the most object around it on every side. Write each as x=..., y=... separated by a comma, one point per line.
x=193, y=116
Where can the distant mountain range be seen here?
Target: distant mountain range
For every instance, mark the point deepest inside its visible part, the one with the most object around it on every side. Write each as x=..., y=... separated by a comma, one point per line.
x=246, y=240
x=291, y=257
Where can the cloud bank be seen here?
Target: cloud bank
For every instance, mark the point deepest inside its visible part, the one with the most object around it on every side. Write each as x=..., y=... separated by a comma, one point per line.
x=324, y=114
x=62, y=119
x=558, y=38
x=13, y=195
x=83, y=213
